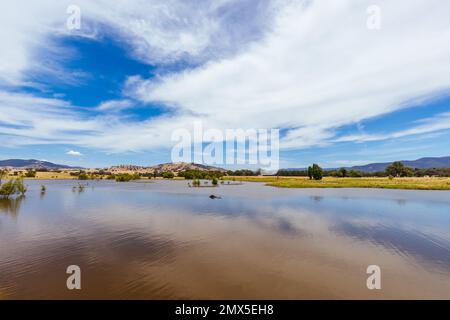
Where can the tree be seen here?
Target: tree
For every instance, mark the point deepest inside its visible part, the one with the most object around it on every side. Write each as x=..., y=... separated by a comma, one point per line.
x=3, y=173
x=83, y=176
x=168, y=175
x=310, y=175
x=30, y=173
x=215, y=181
x=398, y=169
x=316, y=172
x=342, y=172
x=20, y=187
x=355, y=174
x=8, y=189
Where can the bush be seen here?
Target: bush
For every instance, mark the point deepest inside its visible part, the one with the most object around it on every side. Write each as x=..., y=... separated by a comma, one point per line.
x=215, y=181
x=20, y=187
x=123, y=177
x=168, y=175
x=30, y=174
x=8, y=189
x=83, y=176
x=355, y=174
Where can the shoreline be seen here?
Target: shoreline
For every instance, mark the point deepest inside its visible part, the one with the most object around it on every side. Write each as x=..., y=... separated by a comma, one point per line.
x=409, y=183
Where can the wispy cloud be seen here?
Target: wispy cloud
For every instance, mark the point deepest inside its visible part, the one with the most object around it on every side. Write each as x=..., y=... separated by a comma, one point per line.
x=114, y=105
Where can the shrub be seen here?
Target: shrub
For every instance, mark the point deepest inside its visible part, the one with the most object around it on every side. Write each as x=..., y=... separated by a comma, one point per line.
x=8, y=189
x=83, y=176
x=123, y=177
x=3, y=173
x=21, y=188
x=30, y=173
x=215, y=181
x=168, y=175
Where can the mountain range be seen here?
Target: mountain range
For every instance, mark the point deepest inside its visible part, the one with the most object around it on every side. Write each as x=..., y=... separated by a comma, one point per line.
x=422, y=163
x=32, y=164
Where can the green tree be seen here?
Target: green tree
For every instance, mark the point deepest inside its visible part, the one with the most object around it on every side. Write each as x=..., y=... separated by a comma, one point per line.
x=168, y=175
x=3, y=173
x=342, y=172
x=355, y=174
x=30, y=173
x=8, y=189
x=316, y=172
x=215, y=181
x=310, y=174
x=83, y=176
x=21, y=188
x=398, y=169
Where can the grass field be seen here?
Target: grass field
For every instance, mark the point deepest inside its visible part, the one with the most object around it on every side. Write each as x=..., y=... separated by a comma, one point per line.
x=429, y=183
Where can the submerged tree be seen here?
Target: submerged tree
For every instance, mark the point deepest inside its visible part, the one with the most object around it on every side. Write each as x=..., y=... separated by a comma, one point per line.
x=21, y=188
x=8, y=189
x=3, y=173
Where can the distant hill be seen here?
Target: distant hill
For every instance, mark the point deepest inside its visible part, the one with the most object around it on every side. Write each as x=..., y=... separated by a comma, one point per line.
x=32, y=164
x=173, y=167
x=422, y=163
x=183, y=166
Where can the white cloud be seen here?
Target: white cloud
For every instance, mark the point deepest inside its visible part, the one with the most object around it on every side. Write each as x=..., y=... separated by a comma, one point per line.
x=319, y=69
x=114, y=105
x=157, y=31
x=74, y=153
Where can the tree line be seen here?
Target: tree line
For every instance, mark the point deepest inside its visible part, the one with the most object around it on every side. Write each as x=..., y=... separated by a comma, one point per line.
x=396, y=169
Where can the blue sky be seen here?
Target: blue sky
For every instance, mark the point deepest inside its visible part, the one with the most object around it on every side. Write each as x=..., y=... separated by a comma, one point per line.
x=114, y=91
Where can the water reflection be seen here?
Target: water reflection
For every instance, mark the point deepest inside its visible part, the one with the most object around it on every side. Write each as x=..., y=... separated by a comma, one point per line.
x=11, y=206
x=413, y=243
x=164, y=240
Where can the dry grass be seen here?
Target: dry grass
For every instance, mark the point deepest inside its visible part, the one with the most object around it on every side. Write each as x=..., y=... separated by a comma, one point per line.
x=47, y=176
x=332, y=182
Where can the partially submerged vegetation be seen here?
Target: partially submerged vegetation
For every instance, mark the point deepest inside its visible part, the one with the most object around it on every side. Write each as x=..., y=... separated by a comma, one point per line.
x=13, y=187
x=125, y=177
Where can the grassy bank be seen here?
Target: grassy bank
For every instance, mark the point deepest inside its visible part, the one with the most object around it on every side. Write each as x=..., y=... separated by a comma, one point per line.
x=332, y=182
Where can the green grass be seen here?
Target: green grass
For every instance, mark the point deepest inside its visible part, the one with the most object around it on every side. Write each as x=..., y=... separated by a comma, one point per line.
x=332, y=182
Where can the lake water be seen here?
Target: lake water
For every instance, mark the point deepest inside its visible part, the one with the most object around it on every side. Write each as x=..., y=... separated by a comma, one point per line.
x=163, y=240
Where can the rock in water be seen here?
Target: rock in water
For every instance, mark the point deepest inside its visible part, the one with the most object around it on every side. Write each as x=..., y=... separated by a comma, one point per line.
x=214, y=197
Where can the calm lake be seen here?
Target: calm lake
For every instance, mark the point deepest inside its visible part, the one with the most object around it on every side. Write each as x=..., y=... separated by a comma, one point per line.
x=163, y=240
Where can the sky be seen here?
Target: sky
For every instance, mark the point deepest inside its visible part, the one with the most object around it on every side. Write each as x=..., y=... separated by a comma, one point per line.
x=346, y=82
